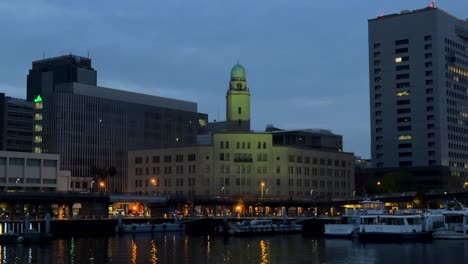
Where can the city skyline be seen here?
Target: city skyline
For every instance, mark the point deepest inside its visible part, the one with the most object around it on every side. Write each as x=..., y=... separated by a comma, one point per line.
x=298, y=74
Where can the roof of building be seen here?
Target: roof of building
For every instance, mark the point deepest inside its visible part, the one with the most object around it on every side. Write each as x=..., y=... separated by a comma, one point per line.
x=238, y=72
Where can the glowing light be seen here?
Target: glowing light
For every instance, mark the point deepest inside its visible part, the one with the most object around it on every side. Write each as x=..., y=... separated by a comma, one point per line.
x=398, y=59
x=403, y=93
x=405, y=137
x=38, y=99
x=378, y=183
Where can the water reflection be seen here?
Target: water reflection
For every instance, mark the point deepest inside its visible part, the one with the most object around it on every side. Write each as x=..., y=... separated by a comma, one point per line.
x=134, y=252
x=177, y=248
x=264, y=252
x=153, y=252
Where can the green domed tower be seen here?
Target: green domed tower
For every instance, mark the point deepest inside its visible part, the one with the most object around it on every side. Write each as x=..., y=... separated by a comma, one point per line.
x=238, y=101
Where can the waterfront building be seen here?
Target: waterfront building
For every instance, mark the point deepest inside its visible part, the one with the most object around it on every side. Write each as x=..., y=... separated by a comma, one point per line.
x=21, y=171
x=16, y=124
x=292, y=164
x=418, y=75
x=94, y=127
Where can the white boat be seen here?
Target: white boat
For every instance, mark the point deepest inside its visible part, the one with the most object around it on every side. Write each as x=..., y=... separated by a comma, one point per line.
x=455, y=222
x=398, y=226
x=176, y=226
x=348, y=224
x=259, y=226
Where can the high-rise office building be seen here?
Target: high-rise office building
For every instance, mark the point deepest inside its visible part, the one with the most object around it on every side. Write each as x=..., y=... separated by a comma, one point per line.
x=418, y=69
x=16, y=124
x=93, y=127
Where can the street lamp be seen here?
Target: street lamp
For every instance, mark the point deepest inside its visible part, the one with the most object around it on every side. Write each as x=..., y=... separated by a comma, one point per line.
x=92, y=183
x=262, y=185
x=153, y=182
x=465, y=184
x=102, y=185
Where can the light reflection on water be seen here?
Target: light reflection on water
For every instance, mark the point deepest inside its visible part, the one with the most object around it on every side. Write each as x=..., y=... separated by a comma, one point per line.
x=178, y=248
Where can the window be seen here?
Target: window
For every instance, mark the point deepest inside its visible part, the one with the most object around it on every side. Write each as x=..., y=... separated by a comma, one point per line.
x=405, y=163
x=427, y=46
x=430, y=126
x=403, y=102
x=239, y=110
x=377, y=71
x=402, y=50
x=403, y=111
x=404, y=119
x=403, y=93
x=402, y=67
x=405, y=145
x=376, y=45
x=429, y=82
x=401, y=41
x=404, y=128
x=427, y=38
x=405, y=154
x=402, y=76
x=376, y=54
x=428, y=73
x=429, y=91
x=428, y=64
x=378, y=87
x=405, y=137
x=377, y=79
x=403, y=85
x=429, y=99
x=428, y=55
x=179, y=158
x=167, y=158
x=429, y=108
x=377, y=96
x=155, y=159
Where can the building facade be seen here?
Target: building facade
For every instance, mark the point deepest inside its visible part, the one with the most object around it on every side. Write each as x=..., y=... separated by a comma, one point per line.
x=418, y=68
x=94, y=127
x=20, y=171
x=289, y=164
x=16, y=124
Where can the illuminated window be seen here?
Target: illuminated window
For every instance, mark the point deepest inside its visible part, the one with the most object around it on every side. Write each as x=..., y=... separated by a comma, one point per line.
x=37, y=139
x=37, y=150
x=403, y=93
x=405, y=137
x=202, y=122
x=398, y=60
x=38, y=105
x=38, y=128
x=38, y=117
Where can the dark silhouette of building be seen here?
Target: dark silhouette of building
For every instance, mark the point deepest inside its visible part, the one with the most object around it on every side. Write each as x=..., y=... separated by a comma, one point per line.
x=16, y=124
x=94, y=127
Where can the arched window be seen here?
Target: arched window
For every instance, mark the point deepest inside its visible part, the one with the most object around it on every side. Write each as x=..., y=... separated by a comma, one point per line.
x=239, y=109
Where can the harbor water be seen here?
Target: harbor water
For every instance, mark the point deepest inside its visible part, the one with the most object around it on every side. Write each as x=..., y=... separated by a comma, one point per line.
x=179, y=248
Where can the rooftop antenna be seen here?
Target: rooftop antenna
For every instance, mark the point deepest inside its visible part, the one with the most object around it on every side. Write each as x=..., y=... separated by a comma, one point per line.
x=433, y=4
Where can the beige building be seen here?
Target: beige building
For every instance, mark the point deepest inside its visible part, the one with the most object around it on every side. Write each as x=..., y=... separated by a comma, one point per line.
x=289, y=164
x=22, y=171
x=243, y=164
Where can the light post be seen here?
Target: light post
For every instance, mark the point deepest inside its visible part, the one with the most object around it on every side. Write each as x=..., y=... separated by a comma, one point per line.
x=153, y=182
x=465, y=184
x=262, y=185
x=102, y=185
x=92, y=183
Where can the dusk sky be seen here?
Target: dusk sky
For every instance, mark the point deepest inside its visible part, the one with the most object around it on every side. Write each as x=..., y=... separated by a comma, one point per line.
x=306, y=60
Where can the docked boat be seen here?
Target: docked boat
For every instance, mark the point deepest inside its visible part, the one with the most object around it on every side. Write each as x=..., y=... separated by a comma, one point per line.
x=176, y=226
x=400, y=227
x=455, y=222
x=348, y=224
x=260, y=226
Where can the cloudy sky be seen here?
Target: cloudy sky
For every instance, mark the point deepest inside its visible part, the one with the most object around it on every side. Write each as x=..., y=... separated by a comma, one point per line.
x=306, y=60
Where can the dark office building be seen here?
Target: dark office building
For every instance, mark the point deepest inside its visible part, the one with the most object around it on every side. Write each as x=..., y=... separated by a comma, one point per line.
x=95, y=127
x=16, y=124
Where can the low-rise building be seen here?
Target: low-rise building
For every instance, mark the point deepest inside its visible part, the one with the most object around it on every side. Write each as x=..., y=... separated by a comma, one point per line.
x=22, y=171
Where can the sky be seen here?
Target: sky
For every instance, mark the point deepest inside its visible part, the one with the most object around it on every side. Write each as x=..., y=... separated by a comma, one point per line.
x=306, y=60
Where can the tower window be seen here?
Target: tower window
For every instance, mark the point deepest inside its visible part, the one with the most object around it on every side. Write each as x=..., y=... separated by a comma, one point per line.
x=239, y=110
x=239, y=86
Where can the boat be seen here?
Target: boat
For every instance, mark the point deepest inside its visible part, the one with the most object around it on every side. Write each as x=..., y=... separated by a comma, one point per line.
x=455, y=222
x=348, y=224
x=259, y=226
x=389, y=227
x=176, y=226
